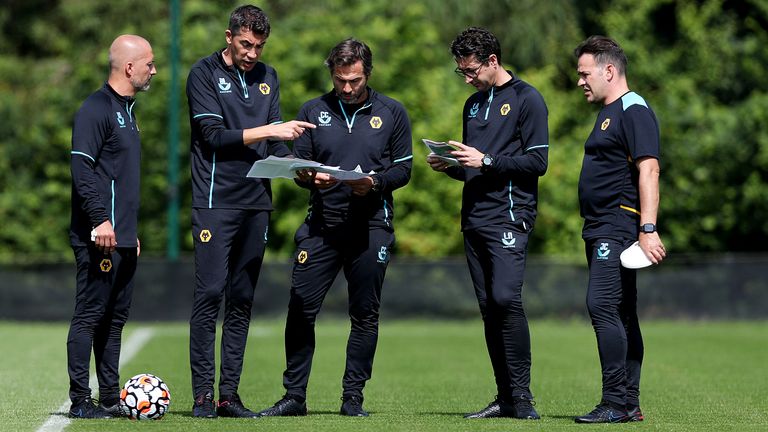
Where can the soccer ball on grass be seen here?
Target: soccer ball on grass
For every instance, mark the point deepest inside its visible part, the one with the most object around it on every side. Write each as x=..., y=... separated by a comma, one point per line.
x=145, y=397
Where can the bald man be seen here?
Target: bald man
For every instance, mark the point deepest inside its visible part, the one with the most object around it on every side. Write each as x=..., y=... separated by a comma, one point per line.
x=106, y=154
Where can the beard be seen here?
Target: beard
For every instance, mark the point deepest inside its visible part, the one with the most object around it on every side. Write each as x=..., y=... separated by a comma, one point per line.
x=141, y=85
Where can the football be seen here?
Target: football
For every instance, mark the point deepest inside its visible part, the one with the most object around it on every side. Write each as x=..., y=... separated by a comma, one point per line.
x=145, y=397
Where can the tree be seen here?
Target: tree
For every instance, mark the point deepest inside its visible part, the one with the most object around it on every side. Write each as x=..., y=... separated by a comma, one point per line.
x=699, y=64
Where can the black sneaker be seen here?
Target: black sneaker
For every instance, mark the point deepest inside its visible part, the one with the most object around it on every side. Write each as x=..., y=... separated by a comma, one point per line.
x=352, y=406
x=497, y=408
x=232, y=406
x=287, y=406
x=604, y=413
x=111, y=407
x=634, y=414
x=204, y=406
x=86, y=409
x=522, y=408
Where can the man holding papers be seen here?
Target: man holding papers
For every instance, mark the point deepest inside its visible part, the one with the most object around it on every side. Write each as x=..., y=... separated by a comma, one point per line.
x=502, y=155
x=349, y=224
x=234, y=115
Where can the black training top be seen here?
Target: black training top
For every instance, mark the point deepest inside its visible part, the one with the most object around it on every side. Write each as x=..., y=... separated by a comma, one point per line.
x=106, y=162
x=510, y=123
x=625, y=131
x=376, y=136
x=222, y=102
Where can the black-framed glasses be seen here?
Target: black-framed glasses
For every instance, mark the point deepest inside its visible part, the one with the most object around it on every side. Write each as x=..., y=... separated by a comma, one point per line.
x=469, y=73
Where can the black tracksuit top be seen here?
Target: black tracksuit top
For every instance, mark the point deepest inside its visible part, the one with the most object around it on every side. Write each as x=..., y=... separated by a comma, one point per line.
x=105, y=165
x=510, y=123
x=222, y=102
x=376, y=136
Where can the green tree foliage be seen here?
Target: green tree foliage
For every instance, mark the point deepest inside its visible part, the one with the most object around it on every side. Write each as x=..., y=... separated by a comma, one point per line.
x=700, y=64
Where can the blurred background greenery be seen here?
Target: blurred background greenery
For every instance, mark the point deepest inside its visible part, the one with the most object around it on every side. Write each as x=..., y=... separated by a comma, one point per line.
x=701, y=65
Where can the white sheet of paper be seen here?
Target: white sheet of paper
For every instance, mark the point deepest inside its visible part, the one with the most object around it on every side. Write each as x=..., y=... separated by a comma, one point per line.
x=440, y=150
x=281, y=167
x=341, y=174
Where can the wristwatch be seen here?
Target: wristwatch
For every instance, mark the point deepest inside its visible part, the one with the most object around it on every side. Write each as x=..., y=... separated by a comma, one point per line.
x=486, y=161
x=648, y=228
x=376, y=187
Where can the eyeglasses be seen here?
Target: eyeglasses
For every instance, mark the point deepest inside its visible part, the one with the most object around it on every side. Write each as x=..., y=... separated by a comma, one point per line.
x=469, y=73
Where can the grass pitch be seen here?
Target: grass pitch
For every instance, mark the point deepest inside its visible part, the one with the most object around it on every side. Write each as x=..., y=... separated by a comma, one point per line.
x=697, y=376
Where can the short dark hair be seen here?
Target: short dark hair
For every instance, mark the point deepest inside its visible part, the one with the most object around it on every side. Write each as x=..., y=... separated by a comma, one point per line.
x=249, y=17
x=348, y=52
x=478, y=42
x=605, y=50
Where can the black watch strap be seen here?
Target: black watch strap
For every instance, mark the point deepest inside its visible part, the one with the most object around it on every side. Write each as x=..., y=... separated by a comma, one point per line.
x=376, y=183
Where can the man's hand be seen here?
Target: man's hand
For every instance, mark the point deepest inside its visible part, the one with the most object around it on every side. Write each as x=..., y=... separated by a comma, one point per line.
x=467, y=156
x=306, y=175
x=105, y=237
x=652, y=246
x=360, y=187
x=436, y=163
x=289, y=131
x=324, y=180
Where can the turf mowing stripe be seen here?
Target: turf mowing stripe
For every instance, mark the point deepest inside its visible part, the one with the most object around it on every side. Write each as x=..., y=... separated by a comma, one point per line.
x=59, y=419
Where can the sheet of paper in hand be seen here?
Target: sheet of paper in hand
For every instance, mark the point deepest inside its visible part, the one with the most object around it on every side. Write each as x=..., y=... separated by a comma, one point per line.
x=281, y=167
x=442, y=150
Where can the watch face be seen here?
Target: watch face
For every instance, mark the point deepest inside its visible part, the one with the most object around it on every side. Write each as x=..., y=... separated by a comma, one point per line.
x=487, y=160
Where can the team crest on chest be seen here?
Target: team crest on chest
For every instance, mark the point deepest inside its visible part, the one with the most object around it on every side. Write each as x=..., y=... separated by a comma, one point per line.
x=302, y=257
x=505, y=109
x=376, y=122
x=605, y=124
x=264, y=88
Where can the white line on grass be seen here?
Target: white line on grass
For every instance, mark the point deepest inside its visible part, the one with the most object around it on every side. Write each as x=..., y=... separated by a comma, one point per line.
x=59, y=420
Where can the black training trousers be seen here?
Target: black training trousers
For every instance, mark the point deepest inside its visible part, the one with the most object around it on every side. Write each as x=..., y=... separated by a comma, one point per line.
x=612, y=305
x=102, y=301
x=496, y=257
x=229, y=250
x=363, y=254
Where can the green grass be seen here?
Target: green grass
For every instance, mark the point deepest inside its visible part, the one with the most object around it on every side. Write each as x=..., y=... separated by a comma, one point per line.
x=698, y=376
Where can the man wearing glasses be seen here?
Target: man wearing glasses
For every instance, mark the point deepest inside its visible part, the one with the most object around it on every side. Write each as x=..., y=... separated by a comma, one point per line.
x=503, y=153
